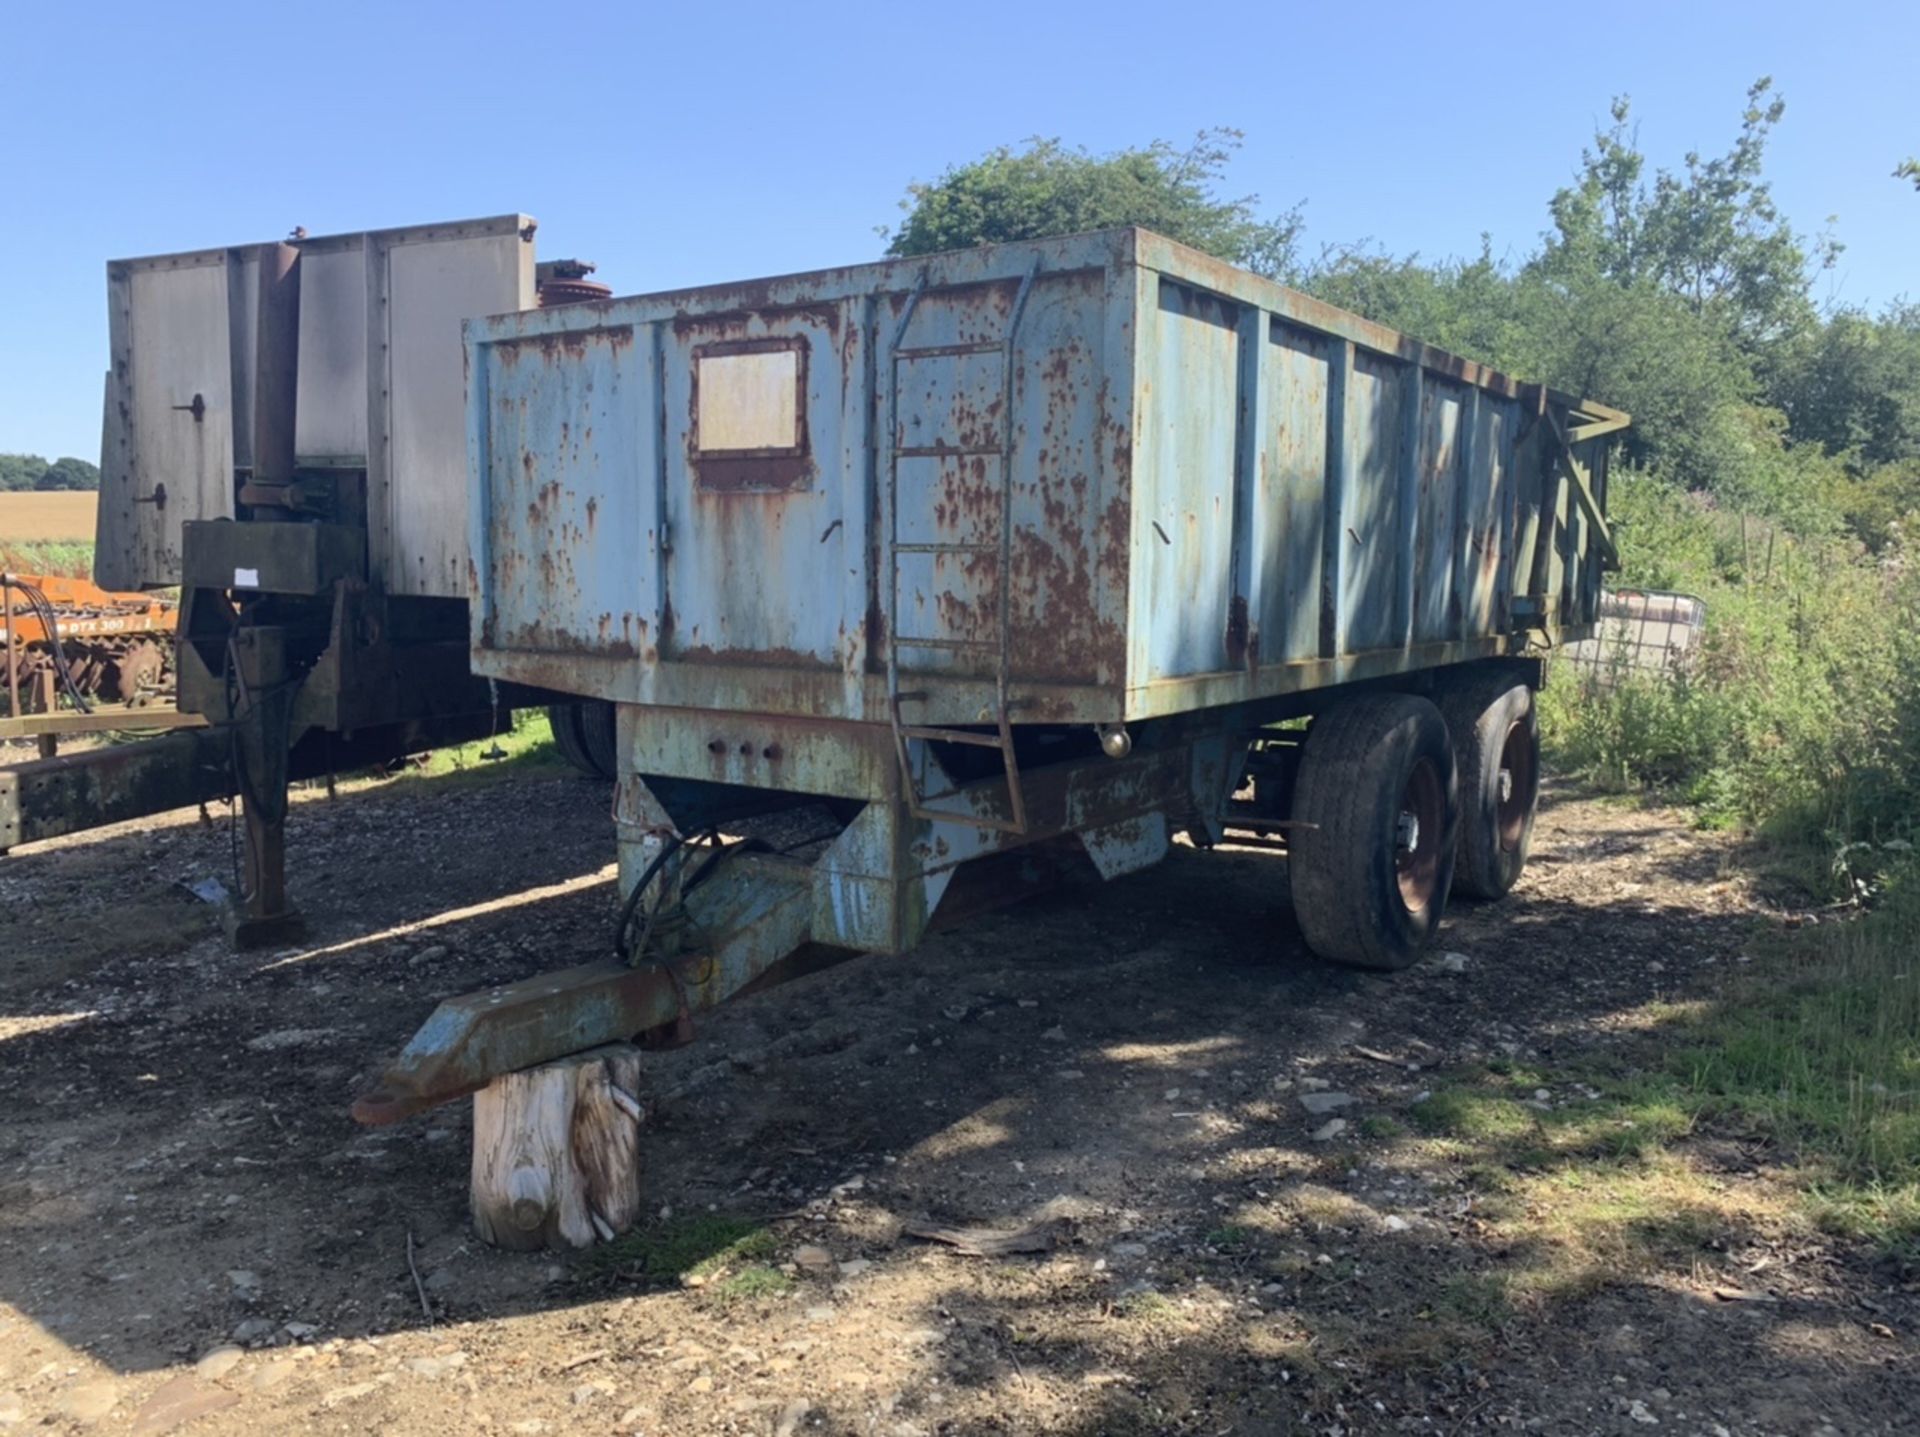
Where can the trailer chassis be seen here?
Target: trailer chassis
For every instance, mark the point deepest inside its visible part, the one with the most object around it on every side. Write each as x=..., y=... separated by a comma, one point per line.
x=705, y=922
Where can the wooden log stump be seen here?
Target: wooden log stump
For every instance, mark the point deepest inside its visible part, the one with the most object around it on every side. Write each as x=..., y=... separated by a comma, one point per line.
x=556, y=1151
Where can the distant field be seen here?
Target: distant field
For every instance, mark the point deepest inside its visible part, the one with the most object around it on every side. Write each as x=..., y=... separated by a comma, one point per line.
x=61, y=515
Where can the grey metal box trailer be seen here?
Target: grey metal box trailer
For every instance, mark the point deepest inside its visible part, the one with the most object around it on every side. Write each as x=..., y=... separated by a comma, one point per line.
x=284, y=438
x=379, y=390
x=1007, y=559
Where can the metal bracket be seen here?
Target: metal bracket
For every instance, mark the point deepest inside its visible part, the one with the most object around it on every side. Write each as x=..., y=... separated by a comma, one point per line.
x=1001, y=739
x=1583, y=486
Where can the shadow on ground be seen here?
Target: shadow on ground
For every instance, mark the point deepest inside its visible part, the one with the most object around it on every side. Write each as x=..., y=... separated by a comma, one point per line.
x=1132, y=1064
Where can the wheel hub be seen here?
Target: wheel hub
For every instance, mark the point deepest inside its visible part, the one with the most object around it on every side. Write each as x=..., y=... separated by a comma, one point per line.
x=1408, y=837
x=1417, y=836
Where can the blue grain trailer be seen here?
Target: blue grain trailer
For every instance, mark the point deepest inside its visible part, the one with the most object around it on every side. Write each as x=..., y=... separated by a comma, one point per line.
x=1023, y=555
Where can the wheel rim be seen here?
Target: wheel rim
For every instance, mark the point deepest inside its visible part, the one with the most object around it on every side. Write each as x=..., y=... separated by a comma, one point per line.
x=1519, y=774
x=1417, y=834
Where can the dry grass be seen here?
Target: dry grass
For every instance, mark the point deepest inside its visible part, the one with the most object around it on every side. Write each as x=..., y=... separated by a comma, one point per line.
x=34, y=517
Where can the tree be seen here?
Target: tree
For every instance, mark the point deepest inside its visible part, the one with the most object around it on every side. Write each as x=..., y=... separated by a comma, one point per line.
x=20, y=471
x=1683, y=296
x=1855, y=388
x=1711, y=236
x=69, y=473
x=1475, y=307
x=1909, y=170
x=1047, y=189
x=1634, y=345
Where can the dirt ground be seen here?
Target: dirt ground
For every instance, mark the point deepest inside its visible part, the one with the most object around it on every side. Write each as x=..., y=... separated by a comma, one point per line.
x=195, y=1236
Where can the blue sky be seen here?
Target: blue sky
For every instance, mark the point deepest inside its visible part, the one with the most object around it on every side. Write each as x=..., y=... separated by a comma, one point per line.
x=688, y=144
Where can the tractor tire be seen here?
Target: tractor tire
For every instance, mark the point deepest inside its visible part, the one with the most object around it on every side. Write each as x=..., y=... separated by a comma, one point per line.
x=1371, y=858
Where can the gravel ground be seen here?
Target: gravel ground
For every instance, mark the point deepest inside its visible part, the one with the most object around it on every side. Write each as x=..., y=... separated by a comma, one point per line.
x=1211, y=1128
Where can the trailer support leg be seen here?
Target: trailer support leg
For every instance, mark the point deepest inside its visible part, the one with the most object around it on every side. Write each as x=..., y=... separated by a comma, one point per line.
x=261, y=915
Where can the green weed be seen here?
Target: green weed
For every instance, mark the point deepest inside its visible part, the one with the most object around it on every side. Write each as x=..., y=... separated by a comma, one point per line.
x=60, y=558
x=703, y=1248
x=1147, y=1307
x=755, y=1282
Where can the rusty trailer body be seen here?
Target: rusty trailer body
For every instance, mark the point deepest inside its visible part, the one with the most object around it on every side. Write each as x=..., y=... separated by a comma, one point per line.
x=1010, y=558
x=1124, y=477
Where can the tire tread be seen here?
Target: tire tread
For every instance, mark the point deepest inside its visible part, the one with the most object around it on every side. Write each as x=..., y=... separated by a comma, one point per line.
x=1477, y=868
x=1337, y=791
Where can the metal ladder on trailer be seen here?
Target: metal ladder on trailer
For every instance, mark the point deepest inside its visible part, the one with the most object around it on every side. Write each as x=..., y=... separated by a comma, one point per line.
x=1000, y=646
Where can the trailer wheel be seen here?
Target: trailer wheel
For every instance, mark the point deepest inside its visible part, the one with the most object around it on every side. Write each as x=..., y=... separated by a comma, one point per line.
x=597, y=736
x=1371, y=861
x=1496, y=745
x=567, y=737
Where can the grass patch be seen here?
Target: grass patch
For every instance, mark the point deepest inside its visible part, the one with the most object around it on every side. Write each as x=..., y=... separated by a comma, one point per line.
x=1229, y=1239
x=1811, y=1054
x=756, y=1282
x=524, y=748
x=712, y=1249
x=1582, y=1192
x=1817, y=1051
x=1474, y=1298
x=1379, y=1126
x=1497, y=1112
x=60, y=558
x=1588, y=1225
x=1474, y=1115
x=1151, y=1308
x=524, y=745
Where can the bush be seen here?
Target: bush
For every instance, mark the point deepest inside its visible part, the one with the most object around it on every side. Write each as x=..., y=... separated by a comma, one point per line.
x=1795, y=717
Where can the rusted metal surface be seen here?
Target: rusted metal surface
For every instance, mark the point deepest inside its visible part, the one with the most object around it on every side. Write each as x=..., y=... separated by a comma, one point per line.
x=1156, y=484
x=758, y=906
x=880, y=882
x=14, y=649
x=564, y=281
x=49, y=797
x=883, y=534
x=258, y=676
x=276, y=363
